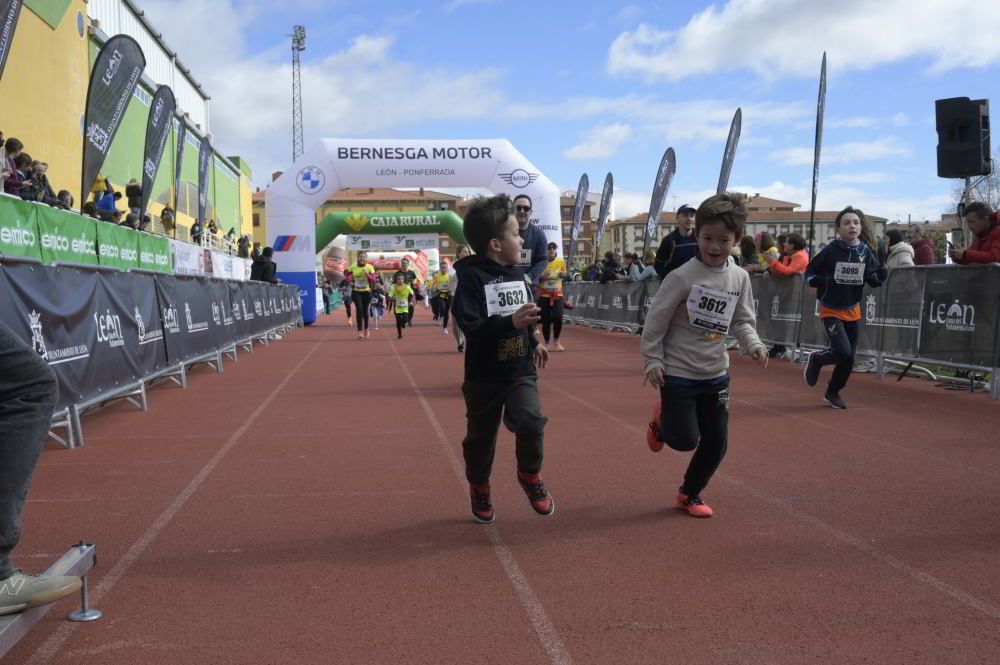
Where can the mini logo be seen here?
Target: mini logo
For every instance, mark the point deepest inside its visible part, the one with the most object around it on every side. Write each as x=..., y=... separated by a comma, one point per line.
x=956, y=317
x=310, y=180
x=356, y=222
x=37, y=338
x=870, y=307
x=140, y=325
x=519, y=178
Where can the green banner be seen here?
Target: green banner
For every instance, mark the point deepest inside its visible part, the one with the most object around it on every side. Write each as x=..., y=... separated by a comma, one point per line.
x=18, y=228
x=117, y=246
x=154, y=253
x=66, y=237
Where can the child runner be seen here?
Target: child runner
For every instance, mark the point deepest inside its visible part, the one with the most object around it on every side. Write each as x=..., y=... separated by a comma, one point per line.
x=839, y=274
x=378, y=300
x=401, y=297
x=684, y=347
x=441, y=286
x=550, y=296
x=495, y=310
x=362, y=277
x=461, y=252
x=346, y=295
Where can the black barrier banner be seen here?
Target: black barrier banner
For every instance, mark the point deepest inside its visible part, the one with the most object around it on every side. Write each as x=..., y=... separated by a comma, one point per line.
x=187, y=313
x=117, y=69
x=237, y=301
x=960, y=315
x=116, y=355
x=10, y=10
x=222, y=313
x=181, y=138
x=161, y=118
x=204, y=160
x=53, y=311
x=152, y=347
x=776, y=301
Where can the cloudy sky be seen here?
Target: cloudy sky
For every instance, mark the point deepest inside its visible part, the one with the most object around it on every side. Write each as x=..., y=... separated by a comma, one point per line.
x=598, y=87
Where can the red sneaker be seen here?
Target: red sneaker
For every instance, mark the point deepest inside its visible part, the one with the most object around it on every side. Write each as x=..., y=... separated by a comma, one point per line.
x=482, y=507
x=541, y=501
x=653, y=430
x=694, y=506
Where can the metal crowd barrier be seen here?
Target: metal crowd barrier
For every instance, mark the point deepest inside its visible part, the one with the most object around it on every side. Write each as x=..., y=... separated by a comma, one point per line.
x=947, y=316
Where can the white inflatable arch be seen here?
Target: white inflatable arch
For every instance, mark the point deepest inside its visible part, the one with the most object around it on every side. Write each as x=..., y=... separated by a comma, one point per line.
x=334, y=164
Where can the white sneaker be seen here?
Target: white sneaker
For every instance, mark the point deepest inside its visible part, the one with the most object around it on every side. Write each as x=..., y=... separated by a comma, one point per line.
x=21, y=592
x=445, y=331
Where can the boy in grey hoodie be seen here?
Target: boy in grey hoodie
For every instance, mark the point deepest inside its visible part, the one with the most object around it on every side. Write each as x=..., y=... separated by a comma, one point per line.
x=684, y=347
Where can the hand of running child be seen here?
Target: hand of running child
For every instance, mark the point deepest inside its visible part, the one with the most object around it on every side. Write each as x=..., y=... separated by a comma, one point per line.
x=654, y=377
x=541, y=356
x=527, y=315
x=760, y=355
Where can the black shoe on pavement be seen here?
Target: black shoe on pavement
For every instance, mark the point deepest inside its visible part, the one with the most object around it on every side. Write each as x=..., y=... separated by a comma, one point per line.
x=482, y=507
x=811, y=371
x=833, y=399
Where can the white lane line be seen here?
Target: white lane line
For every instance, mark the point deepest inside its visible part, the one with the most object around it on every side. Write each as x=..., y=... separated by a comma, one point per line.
x=546, y=632
x=919, y=575
x=52, y=645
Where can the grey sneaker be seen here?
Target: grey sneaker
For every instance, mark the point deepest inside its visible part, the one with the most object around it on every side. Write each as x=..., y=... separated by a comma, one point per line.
x=21, y=591
x=834, y=400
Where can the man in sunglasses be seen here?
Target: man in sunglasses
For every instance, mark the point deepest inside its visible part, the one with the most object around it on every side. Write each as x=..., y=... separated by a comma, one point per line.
x=534, y=252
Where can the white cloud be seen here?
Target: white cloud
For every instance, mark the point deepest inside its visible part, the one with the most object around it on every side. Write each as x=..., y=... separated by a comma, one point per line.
x=778, y=37
x=844, y=153
x=458, y=4
x=602, y=141
x=867, y=178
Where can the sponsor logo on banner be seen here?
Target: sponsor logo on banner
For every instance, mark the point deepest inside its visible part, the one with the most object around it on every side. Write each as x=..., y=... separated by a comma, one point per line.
x=413, y=153
x=247, y=314
x=17, y=237
x=191, y=325
x=616, y=302
x=776, y=314
x=310, y=180
x=170, y=320
x=216, y=314
x=356, y=222
x=292, y=243
x=519, y=178
x=236, y=311
x=956, y=317
x=140, y=326
x=109, y=329
x=52, y=356
x=628, y=303
x=873, y=319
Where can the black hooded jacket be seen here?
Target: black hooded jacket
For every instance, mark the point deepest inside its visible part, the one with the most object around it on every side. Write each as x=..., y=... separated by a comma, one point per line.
x=822, y=270
x=262, y=270
x=496, y=352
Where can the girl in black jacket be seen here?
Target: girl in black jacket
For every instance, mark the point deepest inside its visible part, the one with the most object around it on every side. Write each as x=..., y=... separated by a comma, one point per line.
x=839, y=273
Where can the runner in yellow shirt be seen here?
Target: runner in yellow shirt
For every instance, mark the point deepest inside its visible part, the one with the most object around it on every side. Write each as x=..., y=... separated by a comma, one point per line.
x=441, y=289
x=550, y=296
x=362, y=274
x=401, y=298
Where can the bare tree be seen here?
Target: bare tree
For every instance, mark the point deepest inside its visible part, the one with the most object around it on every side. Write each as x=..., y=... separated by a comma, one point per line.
x=984, y=188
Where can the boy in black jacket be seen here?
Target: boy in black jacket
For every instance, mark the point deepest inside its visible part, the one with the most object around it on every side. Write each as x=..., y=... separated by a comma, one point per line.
x=495, y=310
x=839, y=274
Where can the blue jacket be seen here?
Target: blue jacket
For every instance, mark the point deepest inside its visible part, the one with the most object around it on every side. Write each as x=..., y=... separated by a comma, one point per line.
x=535, y=249
x=822, y=270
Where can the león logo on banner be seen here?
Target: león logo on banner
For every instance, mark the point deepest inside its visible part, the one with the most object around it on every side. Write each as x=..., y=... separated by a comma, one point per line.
x=957, y=317
x=140, y=325
x=37, y=337
x=310, y=180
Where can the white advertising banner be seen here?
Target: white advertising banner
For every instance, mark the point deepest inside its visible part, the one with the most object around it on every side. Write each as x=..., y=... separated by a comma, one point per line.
x=188, y=258
x=335, y=164
x=392, y=243
x=230, y=267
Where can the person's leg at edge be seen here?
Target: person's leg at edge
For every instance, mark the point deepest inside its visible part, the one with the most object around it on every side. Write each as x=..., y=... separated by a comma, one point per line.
x=409, y=318
x=840, y=343
x=678, y=417
x=445, y=310
x=847, y=341
x=459, y=335
x=359, y=319
x=347, y=306
x=27, y=400
x=400, y=323
x=557, y=322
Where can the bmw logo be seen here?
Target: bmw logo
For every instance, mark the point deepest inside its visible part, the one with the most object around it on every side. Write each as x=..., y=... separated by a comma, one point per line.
x=310, y=180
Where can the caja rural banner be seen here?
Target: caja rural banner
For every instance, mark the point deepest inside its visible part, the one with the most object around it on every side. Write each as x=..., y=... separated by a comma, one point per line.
x=335, y=164
x=117, y=70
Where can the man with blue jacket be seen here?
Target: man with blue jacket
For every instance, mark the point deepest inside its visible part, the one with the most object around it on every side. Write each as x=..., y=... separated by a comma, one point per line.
x=534, y=248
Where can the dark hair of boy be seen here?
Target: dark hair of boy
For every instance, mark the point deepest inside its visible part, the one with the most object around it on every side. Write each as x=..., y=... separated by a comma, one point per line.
x=727, y=209
x=979, y=209
x=485, y=220
x=796, y=241
x=12, y=146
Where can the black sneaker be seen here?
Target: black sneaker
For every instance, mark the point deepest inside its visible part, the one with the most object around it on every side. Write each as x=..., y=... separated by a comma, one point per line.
x=461, y=348
x=810, y=373
x=482, y=507
x=833, y=399
x=541, y=501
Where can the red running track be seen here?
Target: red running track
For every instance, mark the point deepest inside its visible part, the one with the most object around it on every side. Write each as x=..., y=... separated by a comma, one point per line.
x=307, y=506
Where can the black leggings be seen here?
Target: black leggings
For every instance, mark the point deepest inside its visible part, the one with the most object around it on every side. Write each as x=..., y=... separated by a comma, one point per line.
x=552, y=316
x=347, y=305
x=444, y=310
x=696, y=418
x=401, y=319
x=843, y=336
x=362, y=305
